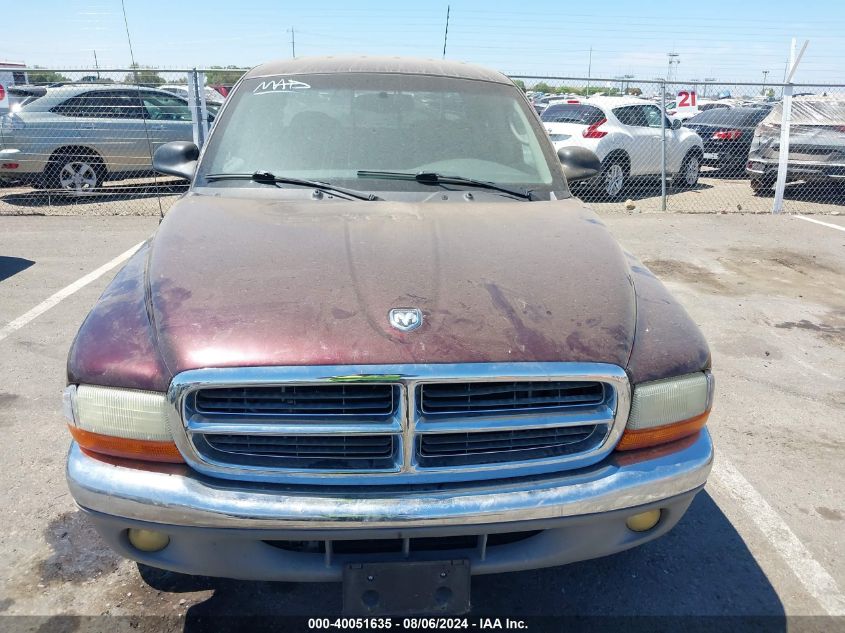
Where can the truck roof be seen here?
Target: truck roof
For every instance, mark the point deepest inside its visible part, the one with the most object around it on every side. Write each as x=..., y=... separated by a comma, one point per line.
x=368, y=64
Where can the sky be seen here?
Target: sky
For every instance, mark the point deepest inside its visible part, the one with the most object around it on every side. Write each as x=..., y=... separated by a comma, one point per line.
x=729, y=40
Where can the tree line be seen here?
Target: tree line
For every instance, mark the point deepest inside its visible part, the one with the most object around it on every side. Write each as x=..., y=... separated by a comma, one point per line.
x=574, y=90
x=142, y=75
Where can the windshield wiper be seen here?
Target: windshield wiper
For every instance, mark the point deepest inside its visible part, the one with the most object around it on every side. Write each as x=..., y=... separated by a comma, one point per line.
x=268, y=178
x=433, y=178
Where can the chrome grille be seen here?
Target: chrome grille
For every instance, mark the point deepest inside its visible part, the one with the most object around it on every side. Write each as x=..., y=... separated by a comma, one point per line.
x=351, y=452
x=483, y=397
x=398, y=424
x=283, y=400
x=456, y=449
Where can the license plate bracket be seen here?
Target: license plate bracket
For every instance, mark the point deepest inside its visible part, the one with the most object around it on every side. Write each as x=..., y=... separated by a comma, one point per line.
x=406, y=588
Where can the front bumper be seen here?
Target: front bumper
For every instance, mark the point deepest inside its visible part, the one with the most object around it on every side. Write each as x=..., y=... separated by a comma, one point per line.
x=222, y=528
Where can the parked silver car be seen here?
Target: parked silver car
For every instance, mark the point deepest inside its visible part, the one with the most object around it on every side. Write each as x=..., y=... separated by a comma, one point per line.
x=816, y=144
x=74, y=137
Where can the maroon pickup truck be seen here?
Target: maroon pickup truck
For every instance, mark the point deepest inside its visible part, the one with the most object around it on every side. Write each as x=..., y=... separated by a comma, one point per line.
x=378, y=341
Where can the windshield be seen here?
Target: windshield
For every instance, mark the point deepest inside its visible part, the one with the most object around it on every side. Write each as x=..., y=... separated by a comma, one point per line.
x=572, y=113
x=330, y=127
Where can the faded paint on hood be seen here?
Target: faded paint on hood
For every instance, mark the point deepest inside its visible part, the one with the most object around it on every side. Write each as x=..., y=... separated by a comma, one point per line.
x=245, y=282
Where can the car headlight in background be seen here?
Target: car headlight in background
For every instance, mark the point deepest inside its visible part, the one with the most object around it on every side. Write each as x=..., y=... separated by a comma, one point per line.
x=120, y=422
x=667, y=410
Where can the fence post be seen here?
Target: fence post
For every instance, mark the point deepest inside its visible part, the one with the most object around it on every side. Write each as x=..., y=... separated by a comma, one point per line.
x=663, y=147
x=783, y=148
x=196, y=100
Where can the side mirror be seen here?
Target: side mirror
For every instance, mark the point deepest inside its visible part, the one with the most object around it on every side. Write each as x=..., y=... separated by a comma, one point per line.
x=578, y=163
x=676, y=124
x=178, y=158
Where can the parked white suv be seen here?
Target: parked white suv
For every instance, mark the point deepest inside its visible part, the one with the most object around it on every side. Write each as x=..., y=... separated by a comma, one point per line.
x=625, y=133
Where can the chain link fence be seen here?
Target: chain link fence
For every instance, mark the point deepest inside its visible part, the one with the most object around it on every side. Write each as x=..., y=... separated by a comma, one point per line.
x=82, y=141
x=716, y=150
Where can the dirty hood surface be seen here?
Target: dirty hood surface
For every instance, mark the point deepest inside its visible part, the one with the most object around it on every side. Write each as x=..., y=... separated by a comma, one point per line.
x=246, y=282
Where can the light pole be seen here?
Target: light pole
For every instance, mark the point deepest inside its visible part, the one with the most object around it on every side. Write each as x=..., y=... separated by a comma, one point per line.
x=621, y=81
x=706, y=81
x=673, y=59
x=765, y=75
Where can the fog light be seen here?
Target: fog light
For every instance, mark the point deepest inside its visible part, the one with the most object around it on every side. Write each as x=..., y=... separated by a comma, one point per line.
x=148, y=540
x=643, y=521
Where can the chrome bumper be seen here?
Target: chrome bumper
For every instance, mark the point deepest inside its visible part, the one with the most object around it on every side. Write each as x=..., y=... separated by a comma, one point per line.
x=28, y=163
x=179, y=496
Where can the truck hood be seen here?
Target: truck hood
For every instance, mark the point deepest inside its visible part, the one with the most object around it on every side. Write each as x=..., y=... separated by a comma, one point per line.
x=238, y=281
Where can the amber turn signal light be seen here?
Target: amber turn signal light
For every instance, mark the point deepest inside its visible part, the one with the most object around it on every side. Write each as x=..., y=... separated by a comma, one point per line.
x=122, y=447
x=643, y=438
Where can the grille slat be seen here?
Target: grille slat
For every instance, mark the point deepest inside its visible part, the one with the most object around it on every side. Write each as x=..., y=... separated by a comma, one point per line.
x=457, y=444
x=255, y=406
x=459, y=389
x=300, y=441
x=303, y=397
x=480, y=397
x=291, y=400
x=528, y=435
x=343, y=447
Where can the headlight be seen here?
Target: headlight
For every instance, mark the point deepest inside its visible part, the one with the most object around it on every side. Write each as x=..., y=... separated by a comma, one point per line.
x=667, y=410
x=120, y=422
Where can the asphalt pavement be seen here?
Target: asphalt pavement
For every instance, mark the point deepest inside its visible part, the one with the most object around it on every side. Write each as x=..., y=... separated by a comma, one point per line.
x=765, y=538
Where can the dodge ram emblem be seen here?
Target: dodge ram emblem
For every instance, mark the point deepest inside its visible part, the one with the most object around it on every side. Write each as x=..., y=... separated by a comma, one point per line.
x=405, y=319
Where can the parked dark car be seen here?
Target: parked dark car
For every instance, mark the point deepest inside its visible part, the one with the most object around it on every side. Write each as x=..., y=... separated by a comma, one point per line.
x=380, y=342
x=727, y=134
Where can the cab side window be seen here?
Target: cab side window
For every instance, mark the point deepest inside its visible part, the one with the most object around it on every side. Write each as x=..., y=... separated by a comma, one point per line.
x=631, y=115
x=101, y=105
x=162, y=107
x=653, y=116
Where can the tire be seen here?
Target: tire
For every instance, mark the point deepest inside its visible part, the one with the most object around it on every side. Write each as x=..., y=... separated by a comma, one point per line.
x=613, y=179
x=74, y=173
x=761, y=185
x=690, y=170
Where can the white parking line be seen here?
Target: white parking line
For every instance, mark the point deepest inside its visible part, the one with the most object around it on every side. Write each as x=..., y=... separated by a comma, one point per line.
x=814, y=221
x=65, y=292
x=818, y=583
